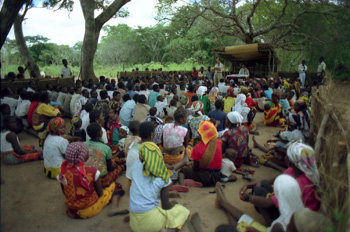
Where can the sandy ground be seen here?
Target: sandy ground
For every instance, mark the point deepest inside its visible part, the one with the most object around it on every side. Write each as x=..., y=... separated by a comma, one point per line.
x=32, y=202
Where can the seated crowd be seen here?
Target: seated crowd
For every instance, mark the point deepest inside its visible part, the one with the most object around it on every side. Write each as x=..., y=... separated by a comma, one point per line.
x=169, y=133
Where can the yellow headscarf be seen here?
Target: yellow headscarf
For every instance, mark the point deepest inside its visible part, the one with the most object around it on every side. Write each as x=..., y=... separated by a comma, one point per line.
x=153, y=164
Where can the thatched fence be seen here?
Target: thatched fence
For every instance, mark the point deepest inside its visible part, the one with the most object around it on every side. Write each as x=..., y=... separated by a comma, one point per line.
x=330, y=131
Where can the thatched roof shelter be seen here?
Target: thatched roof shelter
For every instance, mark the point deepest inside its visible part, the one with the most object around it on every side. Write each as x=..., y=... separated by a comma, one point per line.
x=259, y=58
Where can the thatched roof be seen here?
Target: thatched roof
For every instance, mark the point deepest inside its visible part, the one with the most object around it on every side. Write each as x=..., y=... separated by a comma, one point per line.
x=248, y=52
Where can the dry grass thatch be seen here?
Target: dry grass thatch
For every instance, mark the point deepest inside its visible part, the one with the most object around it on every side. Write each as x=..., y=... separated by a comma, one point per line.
x=333, y=157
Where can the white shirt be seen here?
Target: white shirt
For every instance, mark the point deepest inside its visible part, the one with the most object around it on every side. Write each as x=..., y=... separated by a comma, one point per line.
x=54, y=149
x=244, y=72
x=85, y=120
x=227, y=167
x=144, y=92
x=127, y=112
x=133, y=155
x=144, y=194
x=110, y=94
x=30, y=90
x=302, y=68
x=321, y=67
x=11, y=102
x=223, y=87
x=161, y=106
x=6, y=145
x=66, y=72
x=22, y=108
x=221, y=67
x=74, y=99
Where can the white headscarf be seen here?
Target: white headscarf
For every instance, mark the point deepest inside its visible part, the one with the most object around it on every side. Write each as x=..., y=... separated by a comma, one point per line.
x=197, y=107
x=201, y=90
x=240, y=102
x=235, y=117
x=288, y=194
x=125, y=128
x=304, y=158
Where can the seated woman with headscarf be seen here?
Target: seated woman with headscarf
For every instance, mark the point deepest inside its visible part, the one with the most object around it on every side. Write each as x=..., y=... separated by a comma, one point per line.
x=207, y=157
x=150, y=181
x=229, y=100
x=272, y=112
x=213, y=97
x=247, y=114
x=288, y=194
x=195, y=120
x=236, y=137
x=302, y=167
x=82, y=187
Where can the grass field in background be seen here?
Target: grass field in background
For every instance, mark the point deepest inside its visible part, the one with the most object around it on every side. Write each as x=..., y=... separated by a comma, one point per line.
x=108, y=71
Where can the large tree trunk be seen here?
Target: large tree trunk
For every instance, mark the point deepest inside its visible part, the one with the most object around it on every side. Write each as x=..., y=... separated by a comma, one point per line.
x=93, y=27
x=22, y=46
x=9, y=11
x=90, y=41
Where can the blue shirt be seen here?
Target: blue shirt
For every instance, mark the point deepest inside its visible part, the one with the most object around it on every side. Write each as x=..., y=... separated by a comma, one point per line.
x=131, y=93
x=144, y=195
x=152, y=99
x=268, y=93
x=284, y=103
x=219, y=116
x=127, y=112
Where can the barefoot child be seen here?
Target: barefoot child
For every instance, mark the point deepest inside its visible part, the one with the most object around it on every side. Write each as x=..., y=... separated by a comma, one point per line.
x=228, y=167
x=82, y=187
x=149, y=184
x=11, y=151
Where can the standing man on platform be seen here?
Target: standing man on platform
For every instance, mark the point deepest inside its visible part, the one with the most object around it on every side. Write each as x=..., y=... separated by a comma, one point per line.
x=302, y=73
x=219, y=67
x=65, y=70
x=321, y=70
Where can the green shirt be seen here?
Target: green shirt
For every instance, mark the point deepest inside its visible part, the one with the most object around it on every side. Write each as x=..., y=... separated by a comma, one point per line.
x=99, y=153
x=205, y=101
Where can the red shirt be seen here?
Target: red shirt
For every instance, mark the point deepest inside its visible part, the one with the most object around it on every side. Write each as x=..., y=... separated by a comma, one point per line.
x=32, y=107
x=198, y=152
x=195, y=74
x=250, y=102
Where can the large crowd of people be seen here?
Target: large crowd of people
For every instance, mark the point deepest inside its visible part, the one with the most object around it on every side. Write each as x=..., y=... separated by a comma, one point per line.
x=170, y=133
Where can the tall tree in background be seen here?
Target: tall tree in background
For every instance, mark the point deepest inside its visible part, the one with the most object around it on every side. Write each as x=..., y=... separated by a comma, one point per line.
x=93, y=27
x=27, y=59
x=8, y=13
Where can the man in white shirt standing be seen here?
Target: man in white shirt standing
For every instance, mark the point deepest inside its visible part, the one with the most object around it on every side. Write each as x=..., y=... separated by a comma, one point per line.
x=219, y=67
x=302, y=73
x=321, y=70
x=65, y=70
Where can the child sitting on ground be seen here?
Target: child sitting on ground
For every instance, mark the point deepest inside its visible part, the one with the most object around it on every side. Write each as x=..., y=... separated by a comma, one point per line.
x=149, y=183
x=11, y=151
x=172, y=108
x=100, y=156
x=76, y=129
x=82, y=187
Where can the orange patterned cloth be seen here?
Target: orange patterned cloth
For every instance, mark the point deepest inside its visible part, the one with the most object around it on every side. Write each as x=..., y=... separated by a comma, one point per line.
x=175, y=158
x=110, y=177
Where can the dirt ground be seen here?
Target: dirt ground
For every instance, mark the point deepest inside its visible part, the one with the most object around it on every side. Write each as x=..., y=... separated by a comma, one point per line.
x=32, y=202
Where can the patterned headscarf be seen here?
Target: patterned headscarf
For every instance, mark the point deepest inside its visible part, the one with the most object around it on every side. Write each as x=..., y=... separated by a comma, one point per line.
x=197, y=107
x=303, y=157
x=230, y=92
x=208, y=132
x=240, y=102
x=213, y=94
x=75, y=156
x=235, y=117
x=244, y=90
x=74, y=122
x=153, y=164
x=50, y=128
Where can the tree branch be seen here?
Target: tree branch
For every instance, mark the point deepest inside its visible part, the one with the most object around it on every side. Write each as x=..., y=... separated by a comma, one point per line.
x=255, y=5
x=109, y=12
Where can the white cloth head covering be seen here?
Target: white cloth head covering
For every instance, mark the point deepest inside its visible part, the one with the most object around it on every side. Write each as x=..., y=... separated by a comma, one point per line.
x=201, y=90
x=304, y=158
x=197, y=107
x=125, y=128
x=240, y=102
x=235, y=117
x=288, y=194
